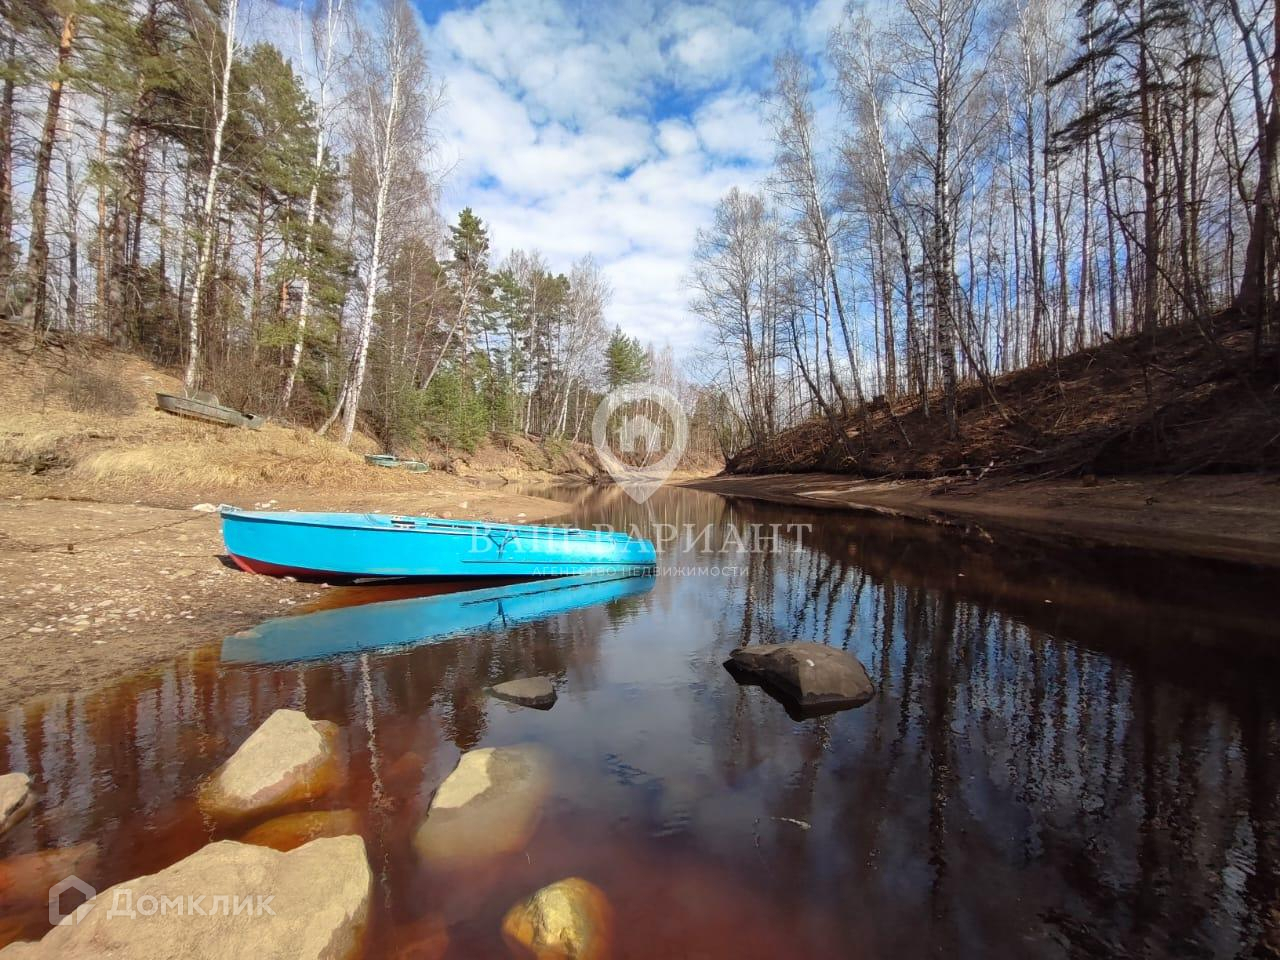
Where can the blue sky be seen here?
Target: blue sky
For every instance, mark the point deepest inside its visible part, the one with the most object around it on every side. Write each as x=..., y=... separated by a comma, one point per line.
x=611, y=129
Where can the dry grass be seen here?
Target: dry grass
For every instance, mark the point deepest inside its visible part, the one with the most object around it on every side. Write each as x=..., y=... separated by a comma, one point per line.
x=170, y=453
x=221, y=457
x=88, y=412
x=80, y=411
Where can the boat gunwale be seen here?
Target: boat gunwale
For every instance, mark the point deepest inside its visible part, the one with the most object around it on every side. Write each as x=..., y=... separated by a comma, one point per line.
x=432, y=525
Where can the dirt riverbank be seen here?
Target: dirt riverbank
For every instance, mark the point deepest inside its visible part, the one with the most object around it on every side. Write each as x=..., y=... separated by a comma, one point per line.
x=92, y=590
x=105, y=567
x=1225, y=518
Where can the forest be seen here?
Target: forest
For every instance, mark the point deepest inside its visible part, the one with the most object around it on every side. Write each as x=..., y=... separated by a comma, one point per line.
x=964, y=188
x=960, y=189
x=267, y=220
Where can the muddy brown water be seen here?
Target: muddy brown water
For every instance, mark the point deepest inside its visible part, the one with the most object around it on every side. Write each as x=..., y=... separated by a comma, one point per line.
x=1068, y=755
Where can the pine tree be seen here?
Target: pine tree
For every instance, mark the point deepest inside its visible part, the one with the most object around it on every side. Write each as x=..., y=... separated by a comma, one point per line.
x=271, y=150
x=626, y=361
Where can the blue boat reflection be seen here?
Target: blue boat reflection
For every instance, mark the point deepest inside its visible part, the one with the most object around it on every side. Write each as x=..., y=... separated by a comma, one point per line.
x=401, y=623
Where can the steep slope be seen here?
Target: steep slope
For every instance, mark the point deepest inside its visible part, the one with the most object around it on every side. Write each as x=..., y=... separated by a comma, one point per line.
x=1178, y=402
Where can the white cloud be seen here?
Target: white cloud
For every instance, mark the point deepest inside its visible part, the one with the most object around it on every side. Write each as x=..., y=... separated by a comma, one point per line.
x=708, y=44
x=732, y=126
x=609, y=129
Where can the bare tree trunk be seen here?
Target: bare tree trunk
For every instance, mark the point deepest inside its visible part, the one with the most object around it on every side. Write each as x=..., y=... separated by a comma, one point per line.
x=333, y=15
x=255, y=298
x=38, y=264
x=943, y=272
x=208, y=228
x=73, y=248
x=1035, y=238
x=1255, y=293
x=6, y=161
x=1150, y=184
x=1086, y=254
x=386, y=169
x=101, y=262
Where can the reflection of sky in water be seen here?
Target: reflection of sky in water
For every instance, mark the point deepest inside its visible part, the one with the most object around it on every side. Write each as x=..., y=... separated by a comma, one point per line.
x=1034, y=778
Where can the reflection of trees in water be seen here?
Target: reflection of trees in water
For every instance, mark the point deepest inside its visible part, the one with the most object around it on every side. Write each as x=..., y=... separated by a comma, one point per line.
x=1043, y=779
x=120, y=763
x=1026, y=771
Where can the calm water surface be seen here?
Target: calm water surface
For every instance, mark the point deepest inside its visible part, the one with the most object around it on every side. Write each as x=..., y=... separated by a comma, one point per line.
x=1068, y=755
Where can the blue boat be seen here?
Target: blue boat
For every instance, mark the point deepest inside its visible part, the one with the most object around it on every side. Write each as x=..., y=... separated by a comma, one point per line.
x=356, y=545
x=394, y=624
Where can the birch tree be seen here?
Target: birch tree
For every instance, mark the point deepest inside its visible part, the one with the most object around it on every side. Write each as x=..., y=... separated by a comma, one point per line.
x=805, y=190
x=583, y=336
x=326, y=32
x=864, y=64
x=734, y=296
x=207, y=227
x=946, y=68
x=392, y=101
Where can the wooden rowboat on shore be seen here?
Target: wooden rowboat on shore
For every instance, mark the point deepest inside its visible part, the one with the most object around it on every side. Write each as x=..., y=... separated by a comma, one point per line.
x=205, y=406
x=370, y=545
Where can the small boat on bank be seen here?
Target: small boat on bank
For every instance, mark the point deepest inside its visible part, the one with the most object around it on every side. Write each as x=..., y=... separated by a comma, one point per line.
x=391, y=461
x=205, y=406
x=359, y=545
x=410, y=622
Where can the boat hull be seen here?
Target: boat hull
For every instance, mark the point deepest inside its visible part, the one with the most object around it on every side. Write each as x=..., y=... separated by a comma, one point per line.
x=349, y=546
x=395, y=463
x=202, y=409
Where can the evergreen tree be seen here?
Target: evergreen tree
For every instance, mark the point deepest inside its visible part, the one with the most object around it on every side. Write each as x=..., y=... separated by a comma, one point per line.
x=626, y=361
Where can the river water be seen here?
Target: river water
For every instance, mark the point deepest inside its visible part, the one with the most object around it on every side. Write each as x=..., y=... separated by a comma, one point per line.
x=1068, y=755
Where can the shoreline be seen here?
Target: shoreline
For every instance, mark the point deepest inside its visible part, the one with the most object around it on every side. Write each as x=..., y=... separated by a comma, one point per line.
x=1233, y=519
x=96, y=587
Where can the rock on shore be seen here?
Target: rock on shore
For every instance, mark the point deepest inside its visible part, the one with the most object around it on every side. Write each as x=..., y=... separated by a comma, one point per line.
x=488, y=806
x=813, y=676
x=568, y=919
x=288, y=759
x=16, y=799
x=317, y=908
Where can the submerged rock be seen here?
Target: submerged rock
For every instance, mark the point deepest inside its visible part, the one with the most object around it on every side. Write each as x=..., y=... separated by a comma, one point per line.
x=316, y=905
x=488, y=806
x=288, y=759
x=16, y=799
x=425, y=939
x=568, y=919
x=535, y=692
x=294, y=829
x=26, y=878
x=812, y=676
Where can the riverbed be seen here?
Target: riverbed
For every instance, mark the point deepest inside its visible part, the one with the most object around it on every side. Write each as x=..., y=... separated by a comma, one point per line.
x=1068, y=754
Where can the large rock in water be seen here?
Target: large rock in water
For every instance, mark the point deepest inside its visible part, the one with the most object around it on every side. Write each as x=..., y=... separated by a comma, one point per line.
x=318, y=908
x=288, y=759
x=16, y=799
x=488, y=806
x=537, y=692
x=568, y=919
x=812, y=676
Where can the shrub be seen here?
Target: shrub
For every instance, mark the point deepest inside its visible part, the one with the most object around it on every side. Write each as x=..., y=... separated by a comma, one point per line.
x=88, y=389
